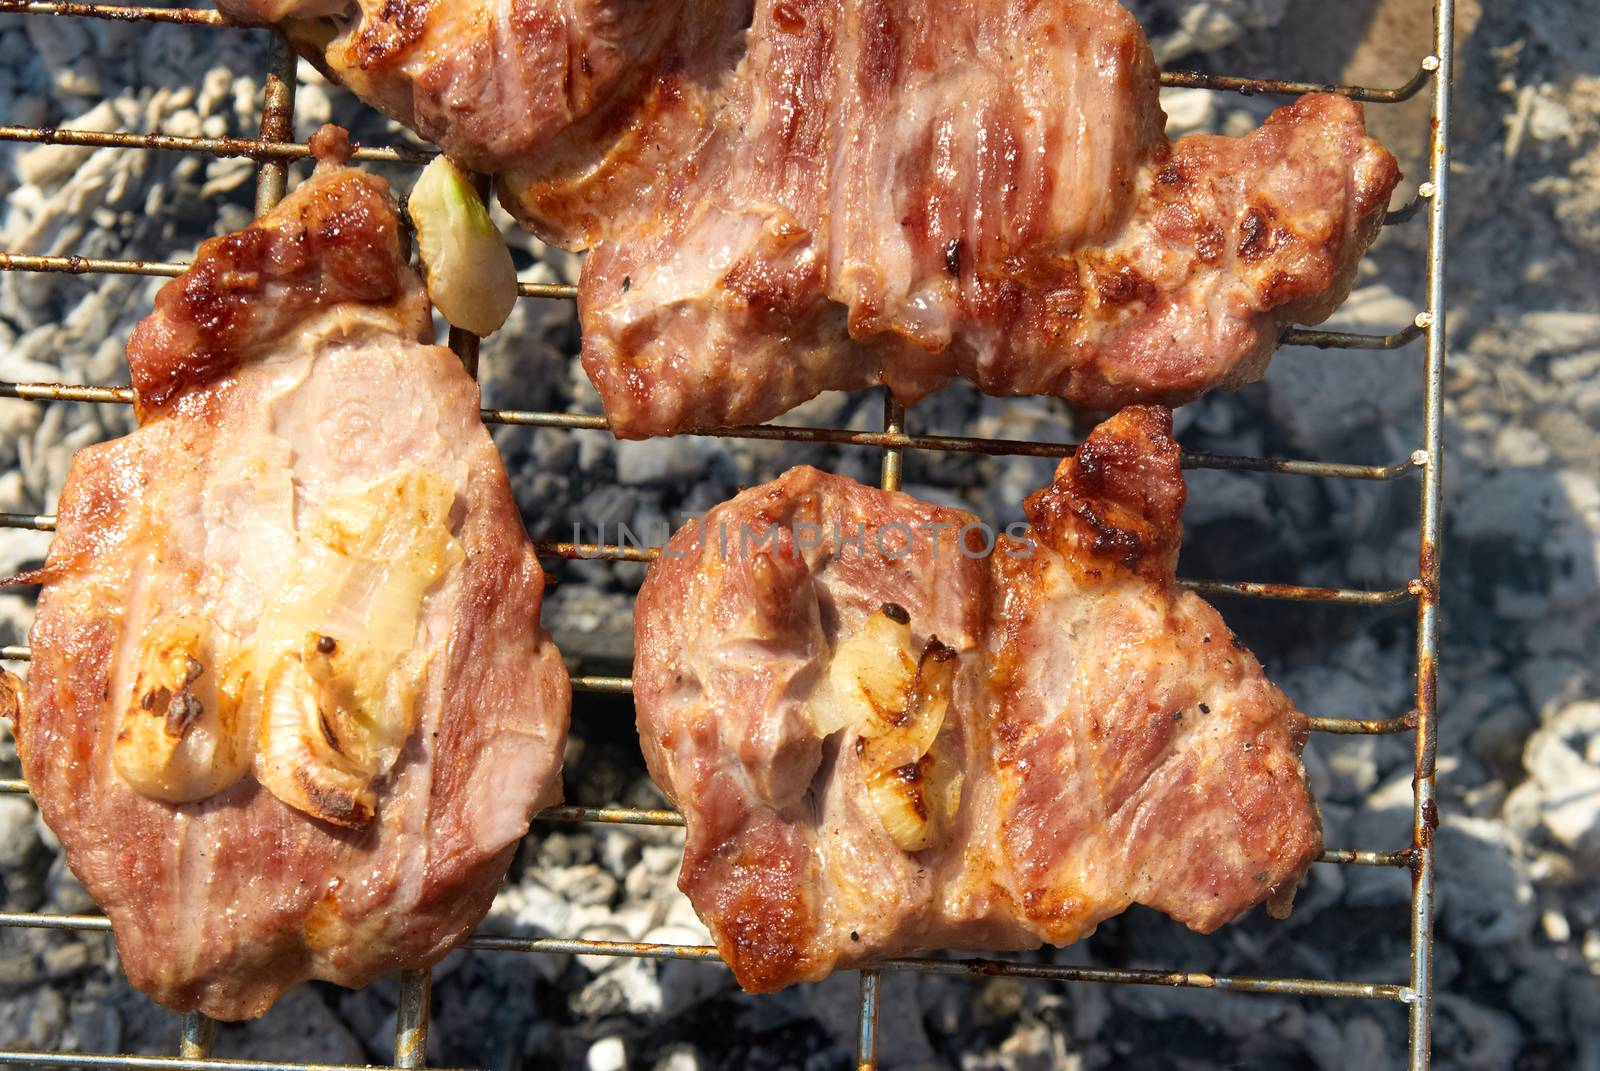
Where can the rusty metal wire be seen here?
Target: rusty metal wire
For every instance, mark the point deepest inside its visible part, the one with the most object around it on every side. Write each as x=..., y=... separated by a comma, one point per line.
x=561, y=946
x=1180, y=79
x=273, y=151
x=1252, y=86
x=139, y=1063
x=188, y=16
x=892, y=438
x=1425, y=811
x=624, y=686
x=1294, y=336
x=658, y=816
x=628, y=552
x=199, y=1031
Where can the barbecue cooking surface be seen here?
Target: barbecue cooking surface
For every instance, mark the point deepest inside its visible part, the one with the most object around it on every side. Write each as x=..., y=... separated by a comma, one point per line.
x=1413, y=990
x=1105, y=741
x=816, y=195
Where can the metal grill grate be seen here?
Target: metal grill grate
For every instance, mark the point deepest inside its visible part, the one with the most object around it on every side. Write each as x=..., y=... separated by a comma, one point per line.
x=274, y=151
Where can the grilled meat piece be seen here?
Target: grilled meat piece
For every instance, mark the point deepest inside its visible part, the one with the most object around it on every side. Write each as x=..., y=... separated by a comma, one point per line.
x=808, y=195
x=290, y=707
x=888, y=733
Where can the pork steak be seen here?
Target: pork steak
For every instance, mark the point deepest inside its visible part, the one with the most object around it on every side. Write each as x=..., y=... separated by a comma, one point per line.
x=792, y=196
x=889, y=731
x=290, y=707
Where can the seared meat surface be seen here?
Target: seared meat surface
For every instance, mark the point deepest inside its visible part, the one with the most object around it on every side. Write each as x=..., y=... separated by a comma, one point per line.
x=887, y=734
x=805, y=195
x=290, y=707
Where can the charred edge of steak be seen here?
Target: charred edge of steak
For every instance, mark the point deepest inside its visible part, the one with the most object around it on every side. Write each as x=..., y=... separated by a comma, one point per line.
x=387, y=34
x=1123, y=488
x=336, y=239
x=1124, y=545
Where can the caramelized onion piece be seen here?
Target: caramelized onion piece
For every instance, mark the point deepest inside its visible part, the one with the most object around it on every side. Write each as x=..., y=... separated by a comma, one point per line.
x=906, y=734
x=909, y=768
x=338, y=652
x=866, y=683
x=181, y=737
x=323, y=699
x=896, y=702
x=301, y=760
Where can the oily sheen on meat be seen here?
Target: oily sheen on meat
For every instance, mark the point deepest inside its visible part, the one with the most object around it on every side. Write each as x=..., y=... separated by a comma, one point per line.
x=290, y=708
x=793, y=196
x=887, y=733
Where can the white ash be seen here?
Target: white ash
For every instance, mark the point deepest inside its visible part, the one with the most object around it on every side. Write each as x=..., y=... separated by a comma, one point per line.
x=1518, y=939
x=1178, y=30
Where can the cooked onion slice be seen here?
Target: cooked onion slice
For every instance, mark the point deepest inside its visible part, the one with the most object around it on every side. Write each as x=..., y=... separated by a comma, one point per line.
x=181, y=737
x=908, y=731
x=916, y=802
x=895, y=703
x=911, y=776
x=465, y=262
x=866, y=683
x=337, y=653
x=323, y=698
x=301, y=760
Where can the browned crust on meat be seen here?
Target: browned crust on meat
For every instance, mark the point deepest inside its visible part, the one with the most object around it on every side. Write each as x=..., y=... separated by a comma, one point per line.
x=104, y=481
x=331, y=146
x=1118, y=501
x=746, y=574
x=766, y=921
x=269, y=943
x=502, y=592
x=1374, y=175
x=388, y=31
x=914, y=239
x=337, y=240
x=13, y=695
x=1217, y=244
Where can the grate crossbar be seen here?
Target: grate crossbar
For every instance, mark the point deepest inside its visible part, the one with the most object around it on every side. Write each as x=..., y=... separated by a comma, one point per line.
x=75, y=265
x=887, y=439
x=630, y=552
